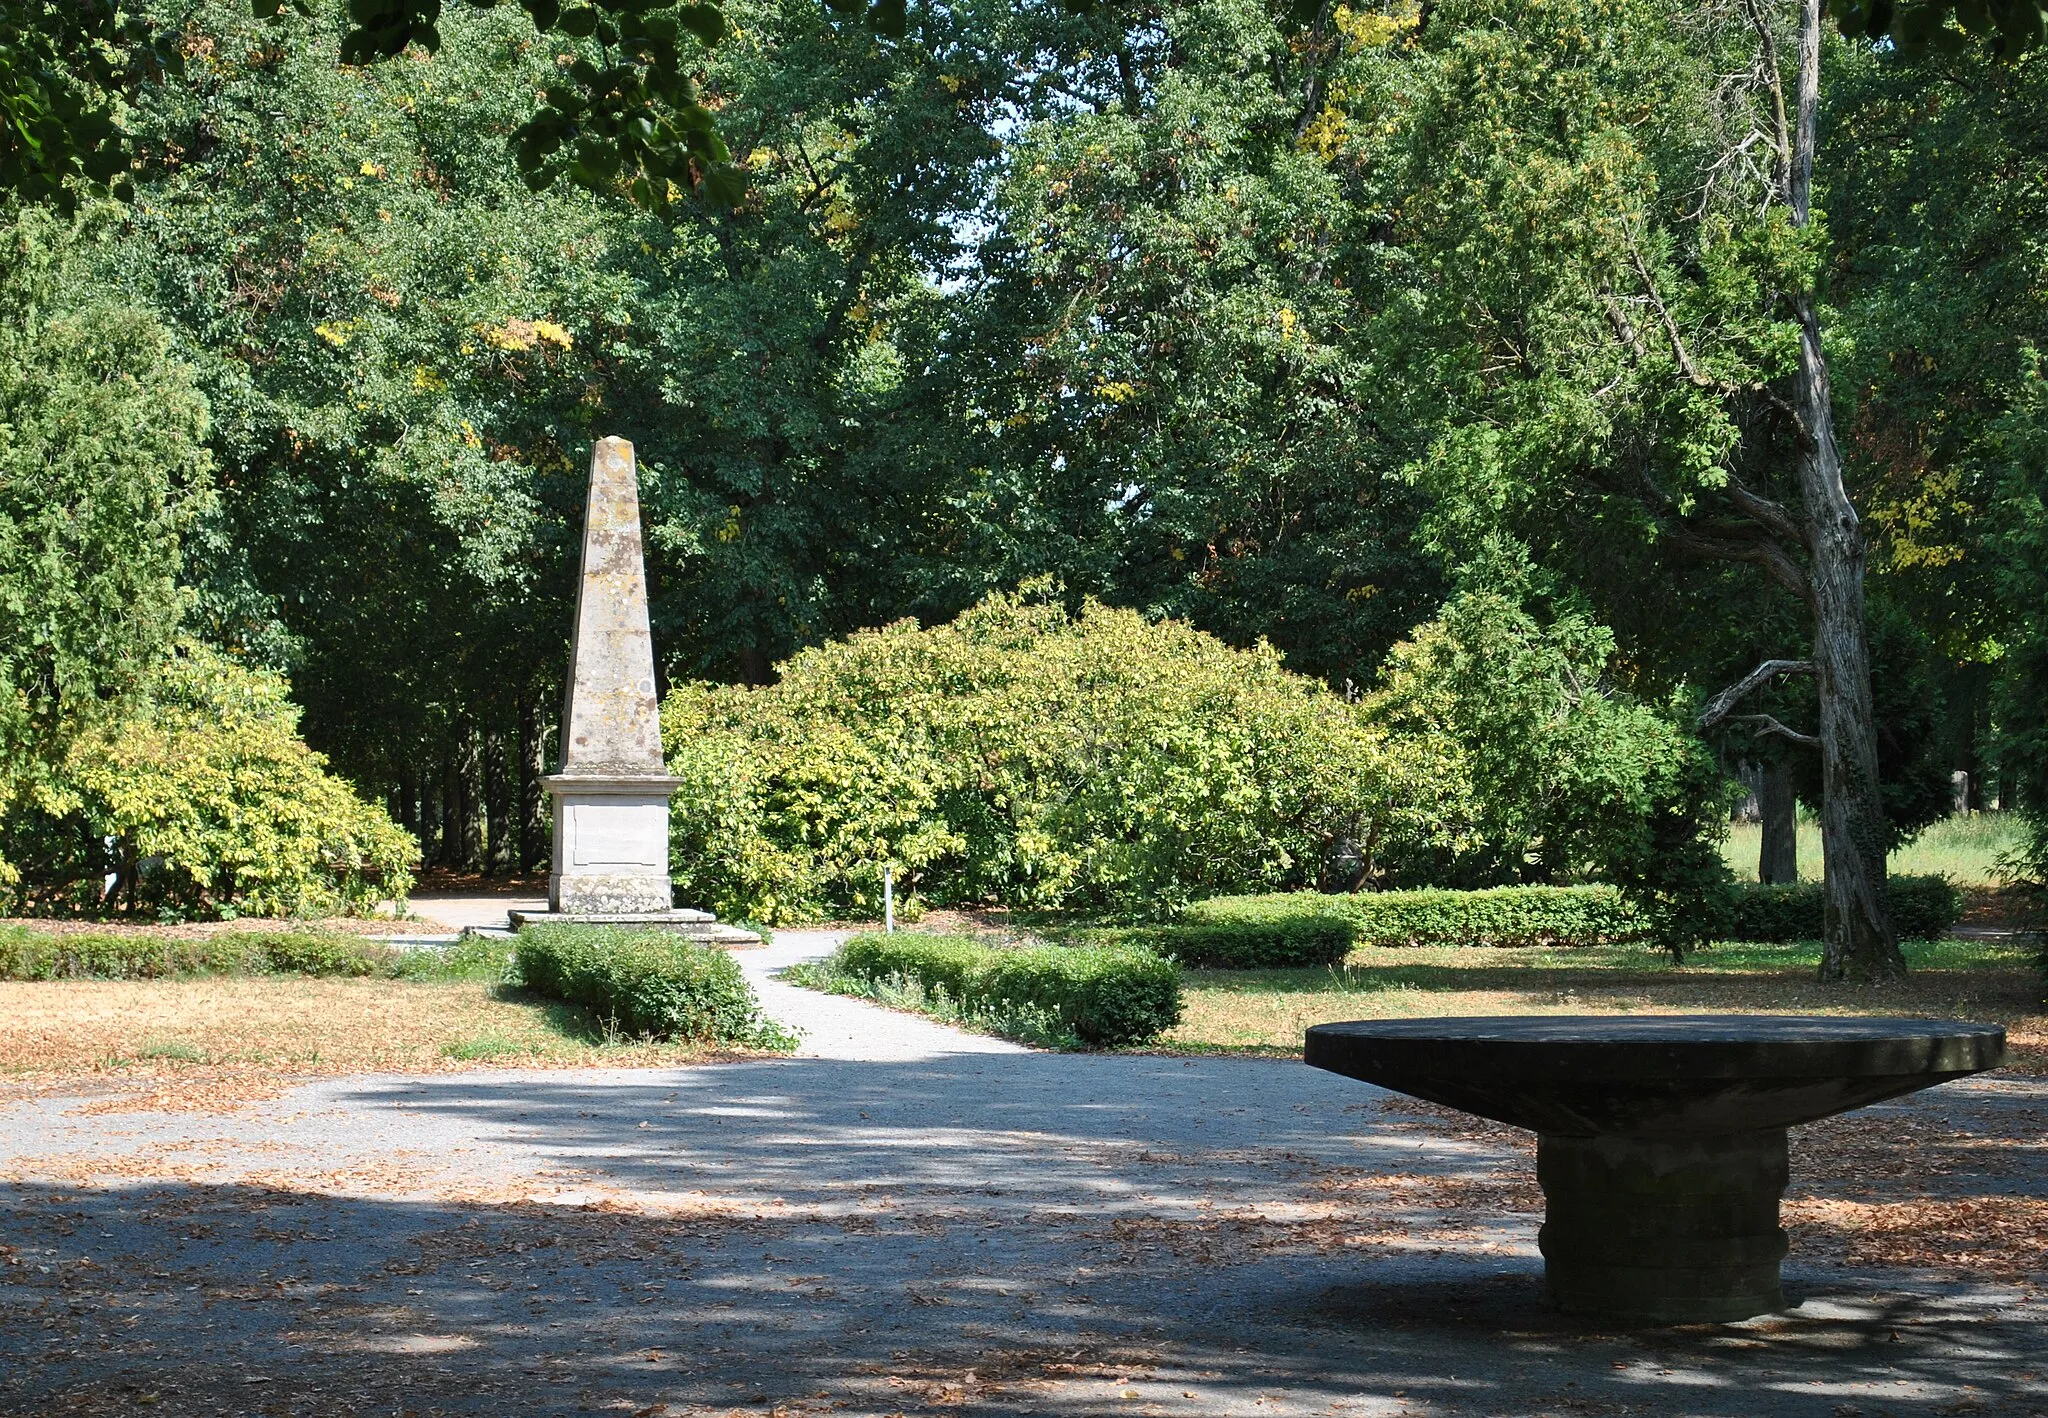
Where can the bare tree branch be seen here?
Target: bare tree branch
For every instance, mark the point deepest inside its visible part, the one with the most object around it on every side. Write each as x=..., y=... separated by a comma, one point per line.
x=1759, y=550
x=1765, y=724
x=1773, y=515
x=1774, y=80
x=1718, y=707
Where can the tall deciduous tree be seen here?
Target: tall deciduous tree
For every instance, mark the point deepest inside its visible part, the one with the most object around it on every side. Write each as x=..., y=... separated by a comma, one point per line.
x=1625, y=283
x=101, y=466
x=1170, y=386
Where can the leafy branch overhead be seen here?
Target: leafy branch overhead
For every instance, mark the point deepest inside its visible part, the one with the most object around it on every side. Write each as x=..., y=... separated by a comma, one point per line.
x=1918, y=26
x=60, y=64
x=626, y=106
x=624, y=109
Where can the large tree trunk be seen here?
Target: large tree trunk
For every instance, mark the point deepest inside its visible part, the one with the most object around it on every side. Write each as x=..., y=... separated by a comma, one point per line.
x=534, y=827
x=499, y=790
x=470, y=785
x=1778, y=809
x=1860, y=943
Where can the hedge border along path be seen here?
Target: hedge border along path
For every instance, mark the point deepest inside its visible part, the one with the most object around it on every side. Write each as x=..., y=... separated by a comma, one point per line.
x=27, y=954
x=1924, y=907
x=649, y=983
x=1280, y=943
x=1101, y=996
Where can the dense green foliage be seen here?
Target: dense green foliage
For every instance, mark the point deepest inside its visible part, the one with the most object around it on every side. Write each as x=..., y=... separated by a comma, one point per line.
x=204, y=801
x=1947, y=293
x=1031, y=757
x=33, y=955
x=101, y=461
x=1107, y=996
x=647, y=984
x=1543, y=773
x=1281, y=940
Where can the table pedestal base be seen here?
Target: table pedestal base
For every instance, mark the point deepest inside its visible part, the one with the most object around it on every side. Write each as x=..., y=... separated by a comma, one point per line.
x=1664, y=1230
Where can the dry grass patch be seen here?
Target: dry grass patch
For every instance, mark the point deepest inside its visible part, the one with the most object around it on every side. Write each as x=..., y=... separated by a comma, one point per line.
x=199, y=1030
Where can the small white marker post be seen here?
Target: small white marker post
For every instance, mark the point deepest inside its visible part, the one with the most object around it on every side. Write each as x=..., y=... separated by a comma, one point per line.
x=888, y=900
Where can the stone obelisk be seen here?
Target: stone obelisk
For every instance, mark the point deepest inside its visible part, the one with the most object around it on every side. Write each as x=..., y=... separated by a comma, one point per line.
x=611, y=795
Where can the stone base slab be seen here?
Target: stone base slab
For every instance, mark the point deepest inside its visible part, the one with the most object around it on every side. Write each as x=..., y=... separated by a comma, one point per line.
x=699, y=926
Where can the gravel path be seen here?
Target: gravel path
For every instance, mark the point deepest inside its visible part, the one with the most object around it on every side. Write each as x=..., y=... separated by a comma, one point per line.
x=910, y=1220
x=836, y=1027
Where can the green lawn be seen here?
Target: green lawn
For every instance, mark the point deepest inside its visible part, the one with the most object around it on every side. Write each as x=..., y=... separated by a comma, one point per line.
x=1964, y=849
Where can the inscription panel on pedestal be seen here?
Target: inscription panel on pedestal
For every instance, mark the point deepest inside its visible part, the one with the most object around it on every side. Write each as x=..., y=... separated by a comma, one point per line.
x=619, y=834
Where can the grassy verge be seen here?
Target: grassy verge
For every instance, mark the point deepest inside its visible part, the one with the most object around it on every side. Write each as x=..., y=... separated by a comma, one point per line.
x=1265, y=1011
x=416, y=1012
x=1963, y=849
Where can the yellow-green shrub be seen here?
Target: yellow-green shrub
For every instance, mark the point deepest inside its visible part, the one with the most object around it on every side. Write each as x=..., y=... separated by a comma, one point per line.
x=1020, y=754
x=212, y=804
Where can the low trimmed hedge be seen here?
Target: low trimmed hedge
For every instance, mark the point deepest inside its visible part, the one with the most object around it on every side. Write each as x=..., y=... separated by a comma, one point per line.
x=1923, y=907
x=1109, y=995
x=1282, y=943
x=648, y=983
x=27, y=954
x=1498, y=916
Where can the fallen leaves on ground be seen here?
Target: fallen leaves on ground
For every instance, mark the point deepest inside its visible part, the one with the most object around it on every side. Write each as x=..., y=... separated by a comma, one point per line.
x=198, y=1044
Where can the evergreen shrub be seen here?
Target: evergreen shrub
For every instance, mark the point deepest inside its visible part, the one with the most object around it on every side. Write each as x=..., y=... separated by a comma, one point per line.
x=1109, y=996
x=647, y=983
x=1275, y=941
x=1923, y=907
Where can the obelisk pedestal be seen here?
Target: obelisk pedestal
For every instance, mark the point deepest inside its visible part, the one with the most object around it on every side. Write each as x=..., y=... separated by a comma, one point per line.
x=611, y=795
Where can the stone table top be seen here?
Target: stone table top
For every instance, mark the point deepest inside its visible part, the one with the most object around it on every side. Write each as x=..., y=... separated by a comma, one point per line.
x=1660, y=1075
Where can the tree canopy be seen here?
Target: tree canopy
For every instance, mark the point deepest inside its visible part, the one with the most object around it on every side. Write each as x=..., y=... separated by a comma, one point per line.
x=1308, y=325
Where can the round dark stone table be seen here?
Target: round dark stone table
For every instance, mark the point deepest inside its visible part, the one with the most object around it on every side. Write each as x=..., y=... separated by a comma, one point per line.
x=1660, y=1139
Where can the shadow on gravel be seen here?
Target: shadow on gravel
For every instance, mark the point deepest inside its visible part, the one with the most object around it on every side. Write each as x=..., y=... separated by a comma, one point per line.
x=190, y=1300
x=1013, y=1235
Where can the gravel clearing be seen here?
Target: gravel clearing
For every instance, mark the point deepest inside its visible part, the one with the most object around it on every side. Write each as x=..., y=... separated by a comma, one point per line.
x=906, y=1219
